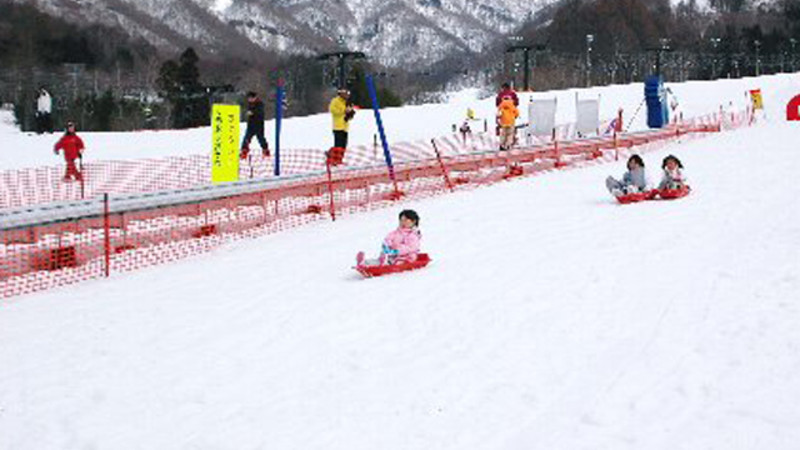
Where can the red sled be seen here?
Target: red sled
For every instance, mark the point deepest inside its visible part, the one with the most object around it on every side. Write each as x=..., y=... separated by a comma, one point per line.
x=376, y=271
x=637, y=197
x=669, y=194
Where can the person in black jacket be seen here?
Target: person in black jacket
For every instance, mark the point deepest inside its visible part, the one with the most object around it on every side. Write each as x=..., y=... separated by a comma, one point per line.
x=255, y=125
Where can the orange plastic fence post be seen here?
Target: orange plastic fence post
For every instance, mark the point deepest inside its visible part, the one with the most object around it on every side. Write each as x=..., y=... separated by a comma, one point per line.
x=107, y=237
x=330, y=190
x=559, y=163
x=441, y=164
x=265, y=207
x=83, y=190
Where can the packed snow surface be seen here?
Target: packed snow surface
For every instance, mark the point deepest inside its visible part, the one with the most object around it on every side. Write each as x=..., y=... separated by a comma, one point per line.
x=550, y=318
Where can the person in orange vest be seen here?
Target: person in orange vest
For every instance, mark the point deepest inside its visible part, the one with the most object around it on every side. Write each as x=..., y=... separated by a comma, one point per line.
x=507, y=114
x=73, y=149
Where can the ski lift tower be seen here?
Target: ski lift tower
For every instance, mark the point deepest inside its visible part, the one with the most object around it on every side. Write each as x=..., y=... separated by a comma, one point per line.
x=341, y=58
x=526, y=50
x=589, y=40
x=659, y=51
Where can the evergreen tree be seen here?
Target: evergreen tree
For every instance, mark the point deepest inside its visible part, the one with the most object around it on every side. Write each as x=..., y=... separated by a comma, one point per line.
x=179, y=83
x=730, y=6
x=168, y=80
x=188, y=73
x=104, y=111
x=359, y=93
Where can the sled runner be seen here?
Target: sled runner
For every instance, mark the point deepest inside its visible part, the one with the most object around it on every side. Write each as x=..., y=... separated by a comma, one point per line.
x=369, y=271
x=669, y=194
x=637, y=197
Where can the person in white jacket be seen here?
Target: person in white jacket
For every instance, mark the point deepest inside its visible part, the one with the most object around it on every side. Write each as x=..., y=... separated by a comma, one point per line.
x=673, y=177
x=44, y=108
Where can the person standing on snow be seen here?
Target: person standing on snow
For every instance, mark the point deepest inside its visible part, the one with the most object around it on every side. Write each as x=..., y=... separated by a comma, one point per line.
x=342, y=112
x=507, y=114
x=44, y=108
x=465, y=131
x=506, y=91
x=255, y=125
x=73, y=149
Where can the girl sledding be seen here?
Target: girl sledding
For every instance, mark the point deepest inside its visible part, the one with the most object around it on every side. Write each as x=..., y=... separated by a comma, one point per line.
x=633, y=186
x=673, y=182
x=399, y=251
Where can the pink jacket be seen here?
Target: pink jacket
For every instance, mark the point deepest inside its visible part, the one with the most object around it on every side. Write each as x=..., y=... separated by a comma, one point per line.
x=405, y=241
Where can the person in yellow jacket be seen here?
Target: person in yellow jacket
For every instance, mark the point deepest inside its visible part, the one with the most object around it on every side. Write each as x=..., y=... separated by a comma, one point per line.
x=507, y=114
x=341, y=113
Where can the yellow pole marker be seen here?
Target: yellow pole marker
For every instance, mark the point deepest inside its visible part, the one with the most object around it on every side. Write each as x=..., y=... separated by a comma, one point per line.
x=758, y=101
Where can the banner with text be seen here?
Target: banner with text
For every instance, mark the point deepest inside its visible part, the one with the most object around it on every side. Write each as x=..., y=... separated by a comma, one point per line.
x=225, y=143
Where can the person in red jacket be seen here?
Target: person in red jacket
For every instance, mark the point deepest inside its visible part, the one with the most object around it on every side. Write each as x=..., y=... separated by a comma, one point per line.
x=73, y=149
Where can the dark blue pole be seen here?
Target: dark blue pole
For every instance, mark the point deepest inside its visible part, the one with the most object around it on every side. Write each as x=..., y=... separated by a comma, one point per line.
x=278, y=119
x=376, y=108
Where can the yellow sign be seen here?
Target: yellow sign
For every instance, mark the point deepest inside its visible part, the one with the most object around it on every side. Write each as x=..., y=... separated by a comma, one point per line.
x=224, y=143
x=755, y=97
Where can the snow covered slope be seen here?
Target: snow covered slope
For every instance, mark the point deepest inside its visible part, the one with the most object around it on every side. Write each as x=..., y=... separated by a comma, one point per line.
x=551, y=318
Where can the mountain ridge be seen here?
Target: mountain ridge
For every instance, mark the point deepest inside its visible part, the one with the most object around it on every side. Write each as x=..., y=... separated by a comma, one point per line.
x=394, y=33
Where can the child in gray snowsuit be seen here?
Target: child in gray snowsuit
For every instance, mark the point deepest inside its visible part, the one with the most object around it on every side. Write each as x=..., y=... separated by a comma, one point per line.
x=632, y=181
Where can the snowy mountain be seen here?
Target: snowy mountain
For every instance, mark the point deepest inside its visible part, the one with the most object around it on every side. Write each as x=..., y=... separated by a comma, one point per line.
x=392, y=32
x=171, y=25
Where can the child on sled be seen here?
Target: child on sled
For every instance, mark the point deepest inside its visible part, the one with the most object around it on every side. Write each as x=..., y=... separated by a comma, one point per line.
x=673, y=177
x=399, y=246
x=633, y=180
